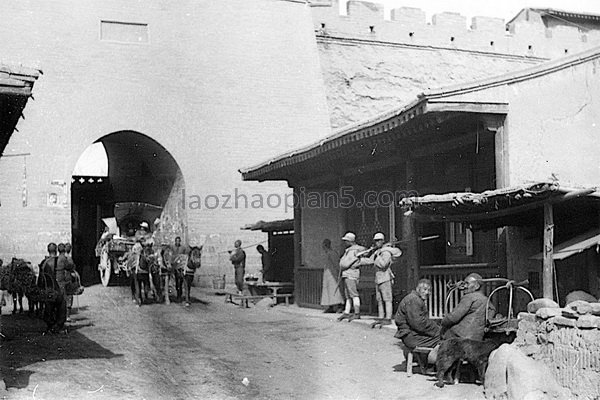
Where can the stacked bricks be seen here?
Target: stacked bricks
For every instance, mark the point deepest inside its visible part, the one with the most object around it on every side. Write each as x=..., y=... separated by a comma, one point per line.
x=568, y=340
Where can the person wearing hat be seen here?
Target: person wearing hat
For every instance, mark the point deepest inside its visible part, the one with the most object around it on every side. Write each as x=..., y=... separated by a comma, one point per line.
x=382, y=260
x=143, y=233
x=350, y=273
x=467, y=320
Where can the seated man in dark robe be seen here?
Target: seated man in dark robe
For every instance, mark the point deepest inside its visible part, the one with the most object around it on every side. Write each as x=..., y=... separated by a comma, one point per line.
x=412, y=319
x=467, y=320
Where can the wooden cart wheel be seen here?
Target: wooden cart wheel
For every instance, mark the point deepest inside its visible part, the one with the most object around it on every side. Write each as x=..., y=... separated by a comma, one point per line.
x=105, y=267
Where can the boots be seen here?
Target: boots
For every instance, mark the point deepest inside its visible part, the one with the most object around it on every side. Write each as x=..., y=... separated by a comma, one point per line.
x=353, y=317
x=343, y=317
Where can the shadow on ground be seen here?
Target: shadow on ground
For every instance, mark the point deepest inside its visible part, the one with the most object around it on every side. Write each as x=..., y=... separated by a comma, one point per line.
x=25, y=344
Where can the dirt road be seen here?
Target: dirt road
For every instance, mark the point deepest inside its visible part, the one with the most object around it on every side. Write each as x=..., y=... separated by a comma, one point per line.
x=211, y=350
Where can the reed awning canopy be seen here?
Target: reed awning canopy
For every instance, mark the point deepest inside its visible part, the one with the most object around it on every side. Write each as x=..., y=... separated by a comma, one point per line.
x=493, y=207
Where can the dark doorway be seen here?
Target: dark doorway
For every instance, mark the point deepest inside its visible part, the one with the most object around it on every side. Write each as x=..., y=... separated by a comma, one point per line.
x=139, y=170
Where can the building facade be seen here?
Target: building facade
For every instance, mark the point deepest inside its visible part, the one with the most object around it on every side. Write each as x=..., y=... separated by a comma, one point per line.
x=179, y=94
x=535, y=125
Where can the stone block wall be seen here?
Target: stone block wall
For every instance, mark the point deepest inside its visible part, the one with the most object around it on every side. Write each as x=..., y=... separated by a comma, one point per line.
x=570, y=346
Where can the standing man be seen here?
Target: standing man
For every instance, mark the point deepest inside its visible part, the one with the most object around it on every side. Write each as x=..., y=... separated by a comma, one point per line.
x=265, y=258
x=69, y=271
x=55, y=311
x=238, y=259
x=143, y=232
x=331, y=295
x=467, y=320
x=382, y=260
x=349, y=265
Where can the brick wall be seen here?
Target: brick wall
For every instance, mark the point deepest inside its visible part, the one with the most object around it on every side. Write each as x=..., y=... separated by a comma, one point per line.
x=487, y=34
x=219, y=84
x=371, y=65
x=569, y=346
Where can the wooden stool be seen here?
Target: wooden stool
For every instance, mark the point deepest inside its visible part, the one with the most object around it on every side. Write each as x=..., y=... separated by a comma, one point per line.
x=420, y=353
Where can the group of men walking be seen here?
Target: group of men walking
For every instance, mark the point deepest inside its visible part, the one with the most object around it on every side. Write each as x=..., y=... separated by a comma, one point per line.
x=59, y=268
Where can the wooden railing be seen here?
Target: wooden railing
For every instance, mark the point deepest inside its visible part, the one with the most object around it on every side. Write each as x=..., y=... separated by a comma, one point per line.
x=309, y=283
x=441, y=275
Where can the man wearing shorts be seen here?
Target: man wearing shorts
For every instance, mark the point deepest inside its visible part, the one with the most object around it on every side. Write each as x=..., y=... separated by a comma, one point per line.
x=349, y=265
x=382, y=260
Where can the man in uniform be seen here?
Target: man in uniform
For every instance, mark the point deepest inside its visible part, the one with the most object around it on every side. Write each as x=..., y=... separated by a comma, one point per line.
x=349, y=265
x=382, y=260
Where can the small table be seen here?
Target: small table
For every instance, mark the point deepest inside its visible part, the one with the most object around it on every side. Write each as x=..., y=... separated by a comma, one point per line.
x=272, y=289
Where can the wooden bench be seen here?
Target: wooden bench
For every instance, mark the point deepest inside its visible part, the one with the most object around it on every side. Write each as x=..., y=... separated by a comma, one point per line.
x=421, y=355
x=285, y=296
x=230, y=296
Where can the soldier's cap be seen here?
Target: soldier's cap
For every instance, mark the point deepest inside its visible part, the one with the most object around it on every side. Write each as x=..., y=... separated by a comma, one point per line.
x=349, y=236
x=144, y=225
x=379, y=236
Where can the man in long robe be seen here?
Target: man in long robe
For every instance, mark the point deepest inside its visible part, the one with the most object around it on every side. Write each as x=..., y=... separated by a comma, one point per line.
x=331, y=294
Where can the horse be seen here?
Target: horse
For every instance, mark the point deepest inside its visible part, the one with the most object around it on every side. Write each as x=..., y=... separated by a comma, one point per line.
x=21, y=279
x=193, y=263
x=178, y=264
x=55, y=307
x=149, y=262
x=166, y=269
x=4, y=283
x=138, y=273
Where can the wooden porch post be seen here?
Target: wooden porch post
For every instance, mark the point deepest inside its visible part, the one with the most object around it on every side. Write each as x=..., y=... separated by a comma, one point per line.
x=297, y=232
x=548, y=270
x=410, y=236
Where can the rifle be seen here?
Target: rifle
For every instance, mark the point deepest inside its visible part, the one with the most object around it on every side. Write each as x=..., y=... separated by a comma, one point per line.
x=369, y=252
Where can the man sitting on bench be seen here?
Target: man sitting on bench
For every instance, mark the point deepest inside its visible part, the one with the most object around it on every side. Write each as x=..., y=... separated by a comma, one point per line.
x=415, y=329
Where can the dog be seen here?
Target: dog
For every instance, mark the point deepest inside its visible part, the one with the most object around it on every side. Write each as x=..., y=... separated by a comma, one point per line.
x=453, y=352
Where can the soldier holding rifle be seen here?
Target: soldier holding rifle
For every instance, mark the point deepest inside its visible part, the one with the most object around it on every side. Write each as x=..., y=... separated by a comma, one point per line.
x=350, y=274
x=381, y=256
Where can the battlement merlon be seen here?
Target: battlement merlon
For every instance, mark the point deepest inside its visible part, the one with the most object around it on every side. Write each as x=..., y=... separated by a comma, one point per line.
x=531, y=36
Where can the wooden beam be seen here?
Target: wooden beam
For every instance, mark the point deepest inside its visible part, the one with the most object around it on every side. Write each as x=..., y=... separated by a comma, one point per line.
x=482, y=216
x=446, y=145
x=548, y=262
x=466, y=107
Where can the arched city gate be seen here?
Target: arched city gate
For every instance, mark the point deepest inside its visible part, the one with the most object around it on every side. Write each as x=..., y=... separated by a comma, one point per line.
x=138, y=170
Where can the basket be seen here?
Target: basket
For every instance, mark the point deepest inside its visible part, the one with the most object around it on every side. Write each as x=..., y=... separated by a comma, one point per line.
x=219, y=283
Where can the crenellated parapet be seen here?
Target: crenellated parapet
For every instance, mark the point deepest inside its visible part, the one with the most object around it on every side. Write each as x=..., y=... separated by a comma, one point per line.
x=523, y=36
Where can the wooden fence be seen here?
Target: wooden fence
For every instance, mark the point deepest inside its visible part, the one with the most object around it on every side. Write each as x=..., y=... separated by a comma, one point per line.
x=441, y=275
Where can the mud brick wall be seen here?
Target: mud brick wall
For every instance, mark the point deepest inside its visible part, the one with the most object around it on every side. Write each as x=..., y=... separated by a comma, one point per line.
x=371, y=64
x=570, y=346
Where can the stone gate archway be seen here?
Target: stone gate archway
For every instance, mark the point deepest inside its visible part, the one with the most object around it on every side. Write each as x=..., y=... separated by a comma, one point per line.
x=139, y=169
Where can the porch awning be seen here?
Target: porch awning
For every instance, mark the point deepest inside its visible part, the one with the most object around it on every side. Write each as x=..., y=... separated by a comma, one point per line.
x=573, y=246
x=271, y=226
x=498, y=205
x=16, y=84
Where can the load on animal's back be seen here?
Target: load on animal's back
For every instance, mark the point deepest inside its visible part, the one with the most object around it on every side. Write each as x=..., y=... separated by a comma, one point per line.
x=193, y=263
x=194, y=258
